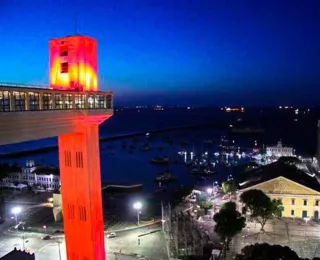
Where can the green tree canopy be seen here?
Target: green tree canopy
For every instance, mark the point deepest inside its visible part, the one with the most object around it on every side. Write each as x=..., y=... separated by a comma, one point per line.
x=289, y=160
x=267, y=252
x=229, y=222
x=261, y=206
x=206, y=205
x=229, y=205
x=229, y=186
x=179, y=195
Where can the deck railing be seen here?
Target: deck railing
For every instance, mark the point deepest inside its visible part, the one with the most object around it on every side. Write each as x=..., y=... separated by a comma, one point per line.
x=18, y=97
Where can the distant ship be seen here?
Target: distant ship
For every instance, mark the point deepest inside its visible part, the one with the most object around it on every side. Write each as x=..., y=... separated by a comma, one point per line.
x=247, y=130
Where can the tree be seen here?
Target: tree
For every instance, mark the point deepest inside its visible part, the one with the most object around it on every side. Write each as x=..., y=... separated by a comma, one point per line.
x=267, y=252
x=206, y=205
x=229, y=222
x=292, y=160
x=229, y=186
x=179, y=195
x=229, y=205
x=261, y=206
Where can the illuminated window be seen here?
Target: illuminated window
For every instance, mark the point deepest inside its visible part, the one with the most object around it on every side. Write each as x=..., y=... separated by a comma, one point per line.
x=58, y=101
x=4, y=101
x=34, y=101
x=80, y=101
x=91, y=101
x=46, y=101
x=109, y=101
x=64, y=67
x=68, y=101
x=99, y=101
x=19, y=101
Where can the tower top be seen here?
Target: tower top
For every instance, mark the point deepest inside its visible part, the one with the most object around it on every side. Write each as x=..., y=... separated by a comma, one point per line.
x=73, y=63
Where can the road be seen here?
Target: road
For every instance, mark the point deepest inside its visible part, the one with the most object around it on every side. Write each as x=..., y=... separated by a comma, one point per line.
x=152, y=246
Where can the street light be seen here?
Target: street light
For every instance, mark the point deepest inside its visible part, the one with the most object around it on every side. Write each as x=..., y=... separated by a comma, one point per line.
x=137, y=206
x=16, y=211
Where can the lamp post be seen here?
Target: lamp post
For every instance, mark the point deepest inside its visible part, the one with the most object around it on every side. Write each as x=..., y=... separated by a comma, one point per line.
x=16, y=211
x=137, y=206
x=59, y=242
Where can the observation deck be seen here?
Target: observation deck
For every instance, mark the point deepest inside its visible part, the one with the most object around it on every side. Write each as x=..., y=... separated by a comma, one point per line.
x=30, y=112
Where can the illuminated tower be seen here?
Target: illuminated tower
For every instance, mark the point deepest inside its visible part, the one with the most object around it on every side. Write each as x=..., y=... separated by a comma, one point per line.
x=72, y=109
x=73, y=63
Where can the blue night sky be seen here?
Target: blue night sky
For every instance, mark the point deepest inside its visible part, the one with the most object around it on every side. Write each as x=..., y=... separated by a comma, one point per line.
x=176, y=51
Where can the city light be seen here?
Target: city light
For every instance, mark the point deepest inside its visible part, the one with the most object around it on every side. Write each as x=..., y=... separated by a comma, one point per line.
x=137, y=206
x=16, y=211
x=209, y=190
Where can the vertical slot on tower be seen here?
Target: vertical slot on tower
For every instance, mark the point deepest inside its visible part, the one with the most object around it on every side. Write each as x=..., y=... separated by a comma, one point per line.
x=79, y=160
x=67, y=158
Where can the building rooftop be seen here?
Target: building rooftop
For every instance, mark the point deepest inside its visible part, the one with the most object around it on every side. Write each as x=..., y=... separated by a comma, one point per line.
x=46, y=170
x=18, y=255
x=277, y=169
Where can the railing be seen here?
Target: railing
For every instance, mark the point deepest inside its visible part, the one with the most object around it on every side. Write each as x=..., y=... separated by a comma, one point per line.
x=18, y=85
x=16, y=97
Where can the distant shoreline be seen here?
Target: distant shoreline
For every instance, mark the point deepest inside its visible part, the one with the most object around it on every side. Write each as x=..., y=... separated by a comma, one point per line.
x=15, y=154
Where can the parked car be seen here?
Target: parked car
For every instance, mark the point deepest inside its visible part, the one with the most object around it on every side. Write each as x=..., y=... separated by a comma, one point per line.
x=112, y=234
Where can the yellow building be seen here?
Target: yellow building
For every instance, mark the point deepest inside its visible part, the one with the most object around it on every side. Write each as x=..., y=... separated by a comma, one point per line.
x=299, y=201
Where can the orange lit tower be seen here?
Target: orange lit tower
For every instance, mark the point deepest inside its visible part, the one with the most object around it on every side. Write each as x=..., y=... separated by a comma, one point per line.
x=73, y=66
x=73, y=63
x=71, y=108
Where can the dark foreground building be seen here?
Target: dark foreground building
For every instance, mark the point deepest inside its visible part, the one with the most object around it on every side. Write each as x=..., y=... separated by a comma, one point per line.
x=18, y=255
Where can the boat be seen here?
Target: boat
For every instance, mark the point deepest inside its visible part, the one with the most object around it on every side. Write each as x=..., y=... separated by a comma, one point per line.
x=202, y=172
x=165, y=177
x=159, y=190
x=145, y=147
x=247, y=130
x=160, y=160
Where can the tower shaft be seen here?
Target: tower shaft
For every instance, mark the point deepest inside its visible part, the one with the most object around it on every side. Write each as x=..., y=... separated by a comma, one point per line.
x=81, y=194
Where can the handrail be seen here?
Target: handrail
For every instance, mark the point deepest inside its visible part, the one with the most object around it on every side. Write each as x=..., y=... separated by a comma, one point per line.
x=18, y=85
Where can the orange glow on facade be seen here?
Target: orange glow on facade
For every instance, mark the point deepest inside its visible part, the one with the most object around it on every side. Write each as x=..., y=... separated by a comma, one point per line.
x=73, y=63
x=79, y=162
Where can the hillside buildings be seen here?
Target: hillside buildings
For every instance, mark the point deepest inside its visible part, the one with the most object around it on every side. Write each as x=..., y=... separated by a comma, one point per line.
x=37, y=176
x=279, y=150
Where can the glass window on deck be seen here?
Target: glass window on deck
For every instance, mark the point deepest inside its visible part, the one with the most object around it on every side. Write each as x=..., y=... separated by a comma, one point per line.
x=109, y=101
x=68, y=101
x=58, y=101
x=99, y=101
x=91, y=101
x=19, y=101
x=34, y=101
x=5, y=101
x=47, y=101
x=80, y=101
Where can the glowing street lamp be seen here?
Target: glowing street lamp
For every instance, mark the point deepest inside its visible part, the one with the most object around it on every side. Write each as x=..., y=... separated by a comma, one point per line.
x=137, y=206
x=209, y=190
x=16, y=211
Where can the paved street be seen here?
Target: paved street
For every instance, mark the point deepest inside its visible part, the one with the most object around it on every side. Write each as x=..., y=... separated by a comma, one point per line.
x=152, y=246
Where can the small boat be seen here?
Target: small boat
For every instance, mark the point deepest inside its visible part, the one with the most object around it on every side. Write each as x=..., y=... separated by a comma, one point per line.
x=165, y=177
x=160, y=160
x=159, y=190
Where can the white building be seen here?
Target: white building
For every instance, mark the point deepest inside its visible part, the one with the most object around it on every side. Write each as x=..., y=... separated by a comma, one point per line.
x=42, y=177
x=279, y=150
